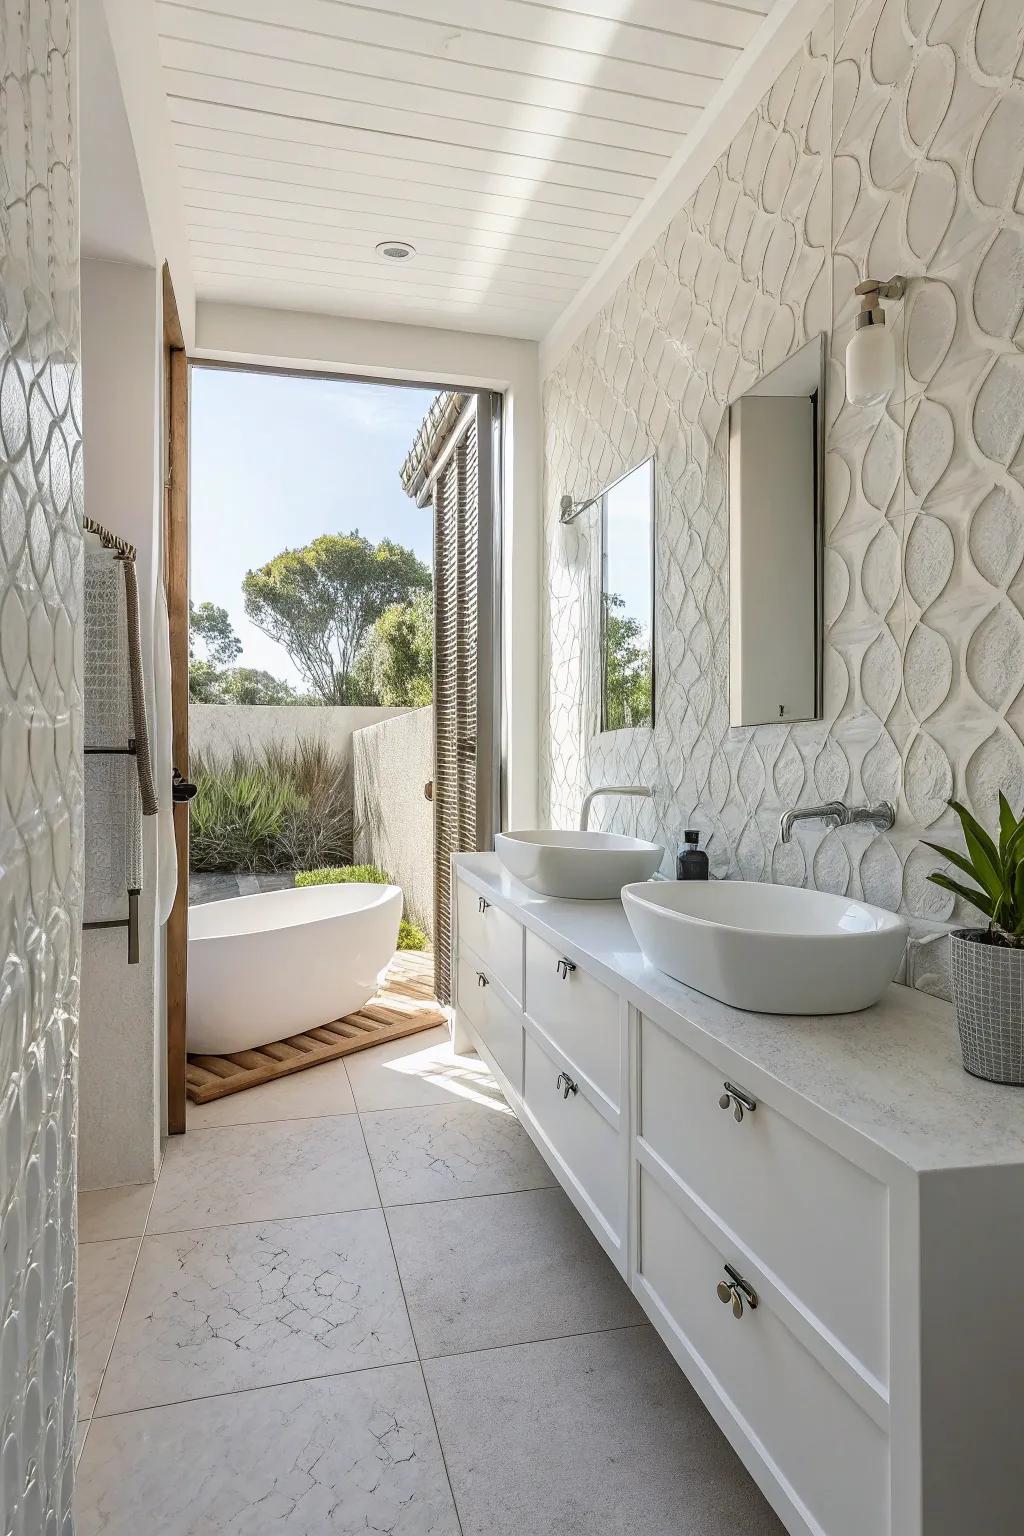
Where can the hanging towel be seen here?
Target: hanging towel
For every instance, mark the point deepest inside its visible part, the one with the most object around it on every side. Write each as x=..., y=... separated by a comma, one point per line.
x=113, y=828
x=167, y=853
x=137, y=683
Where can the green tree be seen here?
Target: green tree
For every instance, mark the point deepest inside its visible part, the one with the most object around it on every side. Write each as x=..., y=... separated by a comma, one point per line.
x=627, y=669
x=251, y=685
x=396, y=665
x=210, y=626
x=320, y=603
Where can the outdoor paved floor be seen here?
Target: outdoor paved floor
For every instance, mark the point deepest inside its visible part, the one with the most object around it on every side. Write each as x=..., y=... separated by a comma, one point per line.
x=356, y=1301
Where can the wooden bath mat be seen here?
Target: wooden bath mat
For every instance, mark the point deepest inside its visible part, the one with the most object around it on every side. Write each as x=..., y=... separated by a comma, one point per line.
x=404, y=1005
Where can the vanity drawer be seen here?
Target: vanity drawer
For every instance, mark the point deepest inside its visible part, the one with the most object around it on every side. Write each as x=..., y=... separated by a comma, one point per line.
x=587, y=1145
x=494, y=937
x=580, y=1015
x=830, y=1452
x=500, y=1029
x=816, y=1221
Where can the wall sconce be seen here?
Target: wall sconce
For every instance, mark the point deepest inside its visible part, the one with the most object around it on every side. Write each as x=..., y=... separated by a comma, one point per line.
x=870, y=355
x=569, y=510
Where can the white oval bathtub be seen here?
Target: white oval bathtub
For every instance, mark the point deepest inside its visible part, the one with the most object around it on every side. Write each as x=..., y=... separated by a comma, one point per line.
x=263, y=967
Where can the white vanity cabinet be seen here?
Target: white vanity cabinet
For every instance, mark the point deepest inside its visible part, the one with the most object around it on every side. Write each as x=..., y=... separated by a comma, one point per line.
x=824, y=1219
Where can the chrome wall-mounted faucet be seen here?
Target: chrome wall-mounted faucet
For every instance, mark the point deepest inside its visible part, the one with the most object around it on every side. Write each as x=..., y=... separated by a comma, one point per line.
x=835, y=814
x=636, y=791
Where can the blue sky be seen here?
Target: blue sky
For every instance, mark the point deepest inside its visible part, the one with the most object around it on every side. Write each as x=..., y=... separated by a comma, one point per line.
x=276, y=461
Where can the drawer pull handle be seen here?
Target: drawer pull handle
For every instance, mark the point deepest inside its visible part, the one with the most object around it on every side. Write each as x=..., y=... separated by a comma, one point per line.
x=565, y=968
x=482, y=905
x=736, y=1291
x=569, y=1085
x=735, y=1099
x=481, y=979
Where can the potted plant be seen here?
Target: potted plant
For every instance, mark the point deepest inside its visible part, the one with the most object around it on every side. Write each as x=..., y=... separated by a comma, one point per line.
x=987, y=967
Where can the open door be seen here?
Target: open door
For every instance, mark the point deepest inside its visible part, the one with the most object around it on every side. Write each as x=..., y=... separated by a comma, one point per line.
x=175, y=432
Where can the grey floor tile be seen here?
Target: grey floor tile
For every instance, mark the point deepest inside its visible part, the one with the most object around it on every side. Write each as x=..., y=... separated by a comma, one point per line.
x=104, y=1270
x=441, y=1152
x=504, y=1269
x=422, y=1069
x=226, y=1308
x=320, y=1090
x=599, y=1435
x=104, y=1214
x=341, y=1456
x=262, y=1172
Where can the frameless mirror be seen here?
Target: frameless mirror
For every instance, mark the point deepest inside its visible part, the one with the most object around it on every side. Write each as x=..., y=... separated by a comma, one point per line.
x=776, y=441
x=627, y=600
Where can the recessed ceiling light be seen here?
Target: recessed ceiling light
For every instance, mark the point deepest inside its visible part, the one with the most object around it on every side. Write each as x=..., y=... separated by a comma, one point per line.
x=396, y=250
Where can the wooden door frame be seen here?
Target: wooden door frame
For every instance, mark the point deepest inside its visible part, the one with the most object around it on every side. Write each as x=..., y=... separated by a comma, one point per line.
x=176, y=472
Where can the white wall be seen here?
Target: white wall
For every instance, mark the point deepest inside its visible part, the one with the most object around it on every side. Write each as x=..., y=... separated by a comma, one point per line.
x=214, y=729
x=122, y=1016
x=41, y=756
x=835, y=172
x=373, y=349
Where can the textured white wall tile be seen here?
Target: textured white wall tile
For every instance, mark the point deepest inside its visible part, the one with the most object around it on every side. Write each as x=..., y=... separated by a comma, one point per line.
x=40, y=762
x=894, y=141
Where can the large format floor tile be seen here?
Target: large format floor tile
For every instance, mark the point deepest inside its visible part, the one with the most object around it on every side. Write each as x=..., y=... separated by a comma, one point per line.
x=504, y=1269
x=599, y=1435
x=445, y=1151
x=260, y=1172
x=320, y=1090
x=104, y=1270
x=229, y=1307
x=104, y=1214
x=342, y=1456
x=422, y=1069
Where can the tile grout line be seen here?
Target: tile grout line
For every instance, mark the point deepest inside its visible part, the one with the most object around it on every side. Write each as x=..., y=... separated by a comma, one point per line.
x=359, y=1370
x=124, y=1303
x=412, y=1330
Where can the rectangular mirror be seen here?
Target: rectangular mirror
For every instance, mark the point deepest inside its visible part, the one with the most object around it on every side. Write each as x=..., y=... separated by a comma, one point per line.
x=776, y=463
x=627, y=600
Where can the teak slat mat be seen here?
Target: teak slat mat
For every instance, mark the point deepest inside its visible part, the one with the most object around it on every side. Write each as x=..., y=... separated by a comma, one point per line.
x=404, y=1005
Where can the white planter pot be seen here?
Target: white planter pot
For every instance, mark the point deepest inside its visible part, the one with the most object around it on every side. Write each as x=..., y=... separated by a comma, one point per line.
x=988, y=990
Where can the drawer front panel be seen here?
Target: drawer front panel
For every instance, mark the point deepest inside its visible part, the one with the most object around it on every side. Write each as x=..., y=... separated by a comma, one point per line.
x=494, y=936
x=499, y=1028
x=587, y=1143
x=829, y=1451
x=816, y=1221
x=579, y=1014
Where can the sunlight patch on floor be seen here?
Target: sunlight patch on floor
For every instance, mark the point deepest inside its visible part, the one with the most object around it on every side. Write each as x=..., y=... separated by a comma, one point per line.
x=464, y=1077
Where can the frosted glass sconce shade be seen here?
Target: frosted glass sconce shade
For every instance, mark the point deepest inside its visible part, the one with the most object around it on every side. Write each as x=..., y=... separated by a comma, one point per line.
x=870, y=365
x=871, y=355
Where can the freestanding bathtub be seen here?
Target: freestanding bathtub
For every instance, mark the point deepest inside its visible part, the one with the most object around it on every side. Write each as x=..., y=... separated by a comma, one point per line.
x=263, y=967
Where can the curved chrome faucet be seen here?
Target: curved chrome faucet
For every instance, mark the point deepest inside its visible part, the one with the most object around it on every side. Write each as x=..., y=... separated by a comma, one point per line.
x=636, y=791
x=835, y=814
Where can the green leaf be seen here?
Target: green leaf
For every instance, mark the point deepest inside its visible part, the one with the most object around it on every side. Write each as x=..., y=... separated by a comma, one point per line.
x=954, y=858
x=974, y=898
x=1007, y=825
x=983, y=851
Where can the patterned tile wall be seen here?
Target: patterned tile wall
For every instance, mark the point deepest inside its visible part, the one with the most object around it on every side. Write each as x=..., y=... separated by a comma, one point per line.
x=40, y=761
x=894, y=141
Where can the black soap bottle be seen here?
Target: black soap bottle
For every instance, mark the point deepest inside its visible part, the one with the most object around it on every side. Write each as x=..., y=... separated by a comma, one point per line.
x=691, y=861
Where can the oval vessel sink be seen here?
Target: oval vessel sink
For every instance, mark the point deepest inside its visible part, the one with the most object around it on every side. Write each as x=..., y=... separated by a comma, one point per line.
x=771, y=948
x=588, y=866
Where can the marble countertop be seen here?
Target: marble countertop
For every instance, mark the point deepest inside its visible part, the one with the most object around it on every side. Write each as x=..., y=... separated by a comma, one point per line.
x=891, y=1074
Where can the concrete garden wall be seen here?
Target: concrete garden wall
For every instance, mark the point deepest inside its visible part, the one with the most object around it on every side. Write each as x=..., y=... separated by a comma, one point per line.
x=394, y=821
x=214, y=729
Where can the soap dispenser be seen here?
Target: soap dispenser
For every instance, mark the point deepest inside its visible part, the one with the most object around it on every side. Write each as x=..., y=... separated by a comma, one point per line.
x=691, y=861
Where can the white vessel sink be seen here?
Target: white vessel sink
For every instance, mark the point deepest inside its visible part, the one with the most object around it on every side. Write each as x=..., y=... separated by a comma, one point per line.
x=772, y=948
x=584, y=866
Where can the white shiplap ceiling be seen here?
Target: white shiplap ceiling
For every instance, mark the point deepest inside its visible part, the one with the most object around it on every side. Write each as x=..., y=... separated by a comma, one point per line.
x=510, y=141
